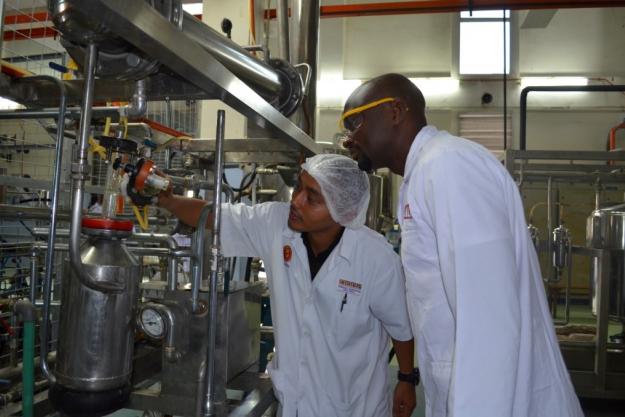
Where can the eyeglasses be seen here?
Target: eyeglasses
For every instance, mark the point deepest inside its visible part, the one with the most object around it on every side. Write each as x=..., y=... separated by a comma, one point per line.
x=352, y=119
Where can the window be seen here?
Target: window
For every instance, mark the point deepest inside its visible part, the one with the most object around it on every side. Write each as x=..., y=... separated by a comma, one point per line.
x=486, y=129
x=482, y=42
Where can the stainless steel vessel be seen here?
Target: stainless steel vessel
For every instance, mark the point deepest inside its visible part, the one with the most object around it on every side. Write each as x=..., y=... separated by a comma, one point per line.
x=96, y=330
x=605, y=229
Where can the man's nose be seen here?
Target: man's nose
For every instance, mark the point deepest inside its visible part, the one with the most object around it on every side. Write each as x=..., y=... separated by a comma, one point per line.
x=296, y=200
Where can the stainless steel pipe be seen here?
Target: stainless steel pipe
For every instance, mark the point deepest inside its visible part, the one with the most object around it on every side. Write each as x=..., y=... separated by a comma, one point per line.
x=282, y=12
x=79, y=176
x=251, y=70
x=49, y=260
x=209, y=408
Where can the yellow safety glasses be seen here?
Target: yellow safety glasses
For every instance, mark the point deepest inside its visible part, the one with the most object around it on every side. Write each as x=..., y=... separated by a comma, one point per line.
x=352, y=119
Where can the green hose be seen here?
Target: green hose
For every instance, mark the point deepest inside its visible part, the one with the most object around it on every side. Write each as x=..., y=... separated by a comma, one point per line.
x=28, y=369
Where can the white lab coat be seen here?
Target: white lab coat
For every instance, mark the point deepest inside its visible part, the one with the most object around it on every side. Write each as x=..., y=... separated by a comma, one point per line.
x=328, y=362
x=485, y=339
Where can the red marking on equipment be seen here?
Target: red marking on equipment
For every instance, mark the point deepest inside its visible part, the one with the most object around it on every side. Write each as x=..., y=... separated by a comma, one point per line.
x=107, y=224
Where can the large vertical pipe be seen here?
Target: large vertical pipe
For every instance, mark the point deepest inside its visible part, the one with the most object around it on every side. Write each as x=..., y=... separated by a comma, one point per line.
x=304, y=30
x=550, y=229
x=282, y=12
x=603, y=313
x=49, y=260
x=2, y=8
x=216, y=265
x=79, y=173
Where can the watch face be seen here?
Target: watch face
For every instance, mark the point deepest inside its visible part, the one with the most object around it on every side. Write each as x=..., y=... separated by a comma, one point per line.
x=152, y=323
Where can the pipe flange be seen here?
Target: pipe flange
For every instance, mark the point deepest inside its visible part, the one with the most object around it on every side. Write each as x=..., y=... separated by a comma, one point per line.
x=292, y=93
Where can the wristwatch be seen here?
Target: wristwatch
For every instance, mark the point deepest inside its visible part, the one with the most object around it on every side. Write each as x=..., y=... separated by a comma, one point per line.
x=414, y=377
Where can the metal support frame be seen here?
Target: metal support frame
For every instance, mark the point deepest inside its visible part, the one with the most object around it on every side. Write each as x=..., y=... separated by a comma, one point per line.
x=593, y=378
x=552, y=89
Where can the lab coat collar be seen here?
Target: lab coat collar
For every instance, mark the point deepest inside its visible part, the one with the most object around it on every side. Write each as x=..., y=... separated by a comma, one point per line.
x=345, y=248
x=425, y=134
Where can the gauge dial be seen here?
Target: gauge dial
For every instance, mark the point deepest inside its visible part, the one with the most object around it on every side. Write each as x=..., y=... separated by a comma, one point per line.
x=152, y=323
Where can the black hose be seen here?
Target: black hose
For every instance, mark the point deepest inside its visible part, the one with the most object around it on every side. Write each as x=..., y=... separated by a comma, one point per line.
x=249, y=177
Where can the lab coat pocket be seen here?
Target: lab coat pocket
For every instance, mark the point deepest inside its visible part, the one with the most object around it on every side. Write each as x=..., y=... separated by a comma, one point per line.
x=350, y=326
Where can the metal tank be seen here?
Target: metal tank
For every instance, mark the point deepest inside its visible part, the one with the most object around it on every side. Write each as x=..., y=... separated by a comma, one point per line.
x=96, y=330
x=606, y=230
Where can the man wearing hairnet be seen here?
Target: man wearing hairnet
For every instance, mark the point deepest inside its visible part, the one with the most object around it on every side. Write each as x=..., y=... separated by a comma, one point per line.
x=337, y=293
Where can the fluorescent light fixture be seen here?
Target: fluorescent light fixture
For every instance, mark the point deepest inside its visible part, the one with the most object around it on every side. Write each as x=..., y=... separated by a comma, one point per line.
x=436, y=86
x=547, y=81
x=193, y=8
x=333, y=92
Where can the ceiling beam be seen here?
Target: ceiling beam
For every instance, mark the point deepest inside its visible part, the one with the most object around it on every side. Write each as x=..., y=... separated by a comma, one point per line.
x=451, y=6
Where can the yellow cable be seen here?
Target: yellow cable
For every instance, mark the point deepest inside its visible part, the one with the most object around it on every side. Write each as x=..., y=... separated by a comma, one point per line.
x=107, y=126
x=95, y=147
x=142, y=222
x=145, y=216
x=123, y=121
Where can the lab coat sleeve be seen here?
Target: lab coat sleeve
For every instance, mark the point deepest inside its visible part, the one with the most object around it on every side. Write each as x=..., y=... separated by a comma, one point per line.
x=463, y=196
x=388, y=296
x=248, y=230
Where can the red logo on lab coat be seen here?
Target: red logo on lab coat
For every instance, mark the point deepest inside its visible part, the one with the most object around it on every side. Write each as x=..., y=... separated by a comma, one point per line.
x=287, y=253
x=407, y=214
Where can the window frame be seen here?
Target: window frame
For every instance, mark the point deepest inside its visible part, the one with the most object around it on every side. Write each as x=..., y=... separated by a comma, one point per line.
x=513, y=46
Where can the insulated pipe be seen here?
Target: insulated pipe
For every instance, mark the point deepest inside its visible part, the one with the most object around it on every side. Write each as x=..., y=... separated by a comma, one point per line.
x=551, y=89
x=251, y=70
x=80, y=172
x=209, y=408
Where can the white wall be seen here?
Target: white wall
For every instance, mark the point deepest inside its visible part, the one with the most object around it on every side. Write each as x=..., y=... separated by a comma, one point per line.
x=586, y=42
x=576, y=41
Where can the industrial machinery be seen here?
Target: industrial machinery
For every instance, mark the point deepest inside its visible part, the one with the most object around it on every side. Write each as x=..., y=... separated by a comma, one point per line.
x=580, y=243
x=94, y=360
x=183, y=340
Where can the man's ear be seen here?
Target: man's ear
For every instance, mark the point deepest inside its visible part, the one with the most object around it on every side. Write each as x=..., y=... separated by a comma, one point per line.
x=400, y=110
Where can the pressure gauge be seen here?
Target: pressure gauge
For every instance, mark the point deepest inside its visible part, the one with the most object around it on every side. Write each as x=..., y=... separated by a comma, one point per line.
x=152, y=323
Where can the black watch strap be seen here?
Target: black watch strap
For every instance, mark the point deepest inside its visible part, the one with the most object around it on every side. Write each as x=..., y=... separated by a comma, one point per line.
x=414, y=377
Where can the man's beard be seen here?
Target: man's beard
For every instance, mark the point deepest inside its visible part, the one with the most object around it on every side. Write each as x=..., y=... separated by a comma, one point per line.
x=365, y=163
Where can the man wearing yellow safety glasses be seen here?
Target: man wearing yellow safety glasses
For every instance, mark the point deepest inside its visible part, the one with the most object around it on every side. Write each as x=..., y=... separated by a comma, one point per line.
x=485, y=338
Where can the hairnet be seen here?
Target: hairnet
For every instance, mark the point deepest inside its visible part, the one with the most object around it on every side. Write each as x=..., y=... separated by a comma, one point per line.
x=344, y=186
